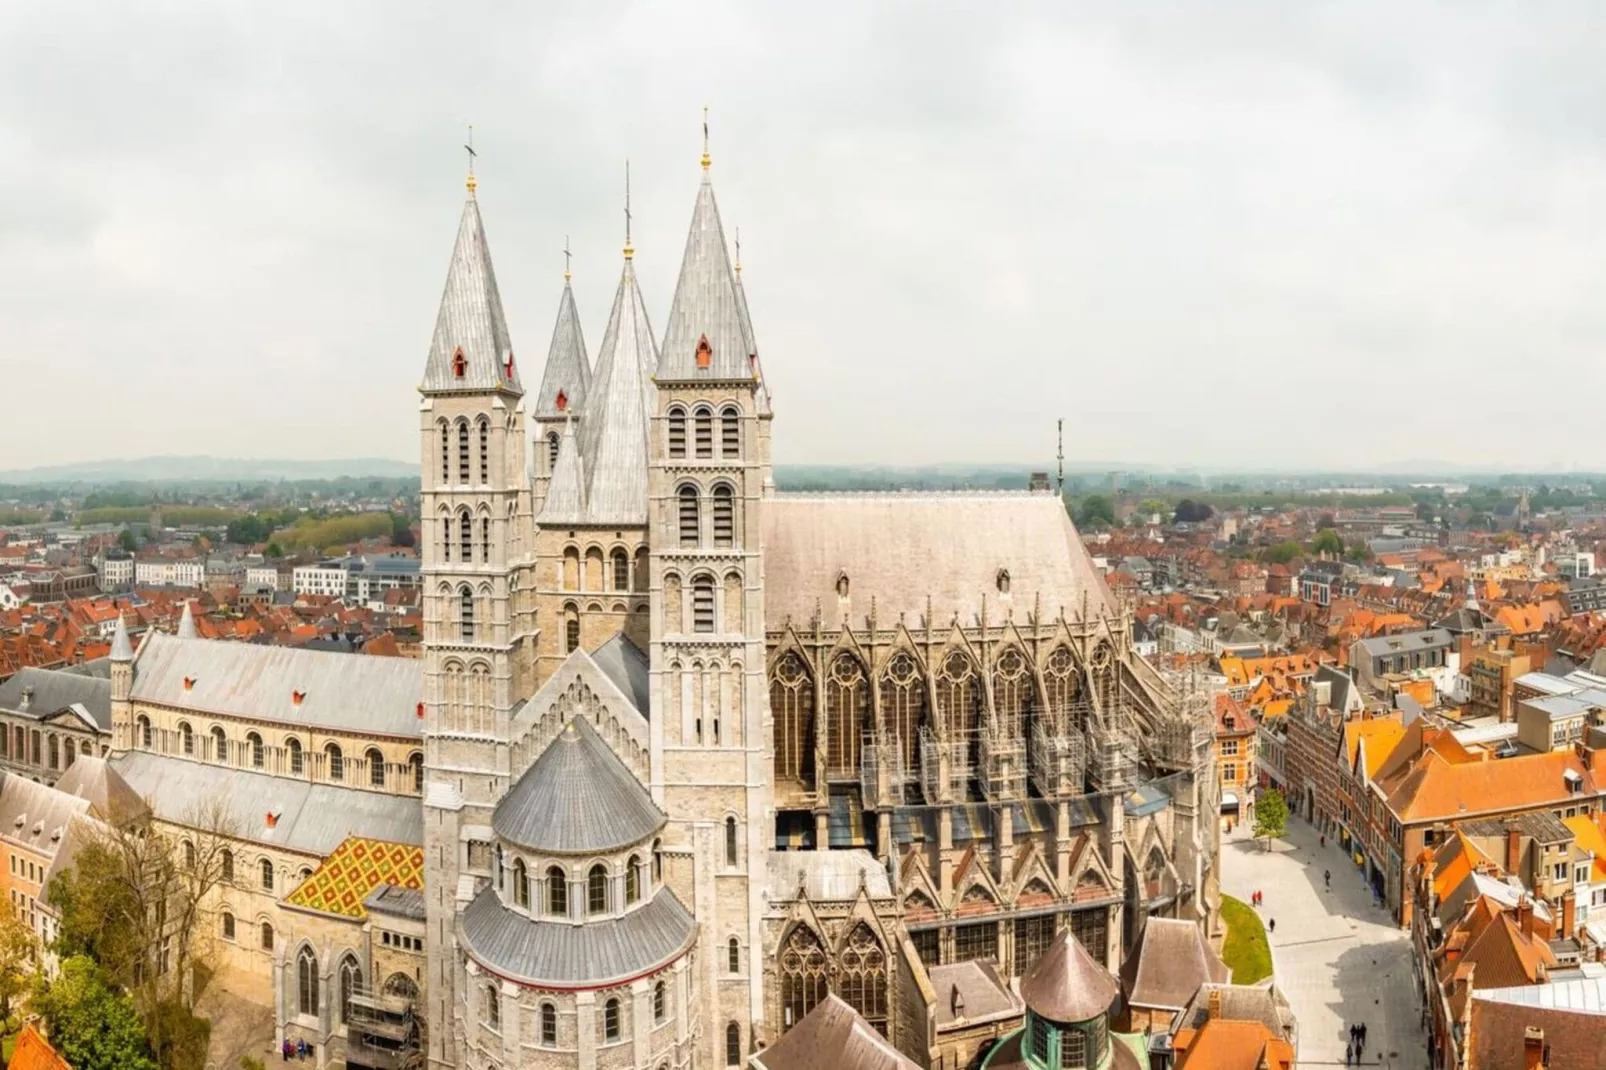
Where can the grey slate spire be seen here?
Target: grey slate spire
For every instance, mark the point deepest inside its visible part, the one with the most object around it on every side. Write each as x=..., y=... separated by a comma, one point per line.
x=568, y=369
x=186, y=623
x=471, y=333
x=613, y=438
x=122, y=649
x=566, y=497
x=762, y=394
x=707, y=307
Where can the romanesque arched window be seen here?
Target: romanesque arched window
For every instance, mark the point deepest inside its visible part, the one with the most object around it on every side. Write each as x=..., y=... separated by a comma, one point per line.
x=1060, y=683
x=689, y=509
x=416, y=764
x=724, y=515
x=292, y=747
x=847, y=714
x=863, y=976
x=733, y=1045
x=621, y=570
x=220, y=744
x=792, y=705
x=253, y=744
x=703, y=431
x=677, y=432
x=146, y=735
x=493, y=1006
x=733, y=956
x=803, y=975
x=335, y=760
x=903, y=698
x=465, y=613
x=350, y=985
x=1013, y=693
x=227, y=866
x=660, y=1001
x=610, y=1021
x=958, y=697
x=702, y=603
x=571, y=628
x=485, y=451
x=462, y=453
x=265, y=868
x=730, y=432
x=521, y=884
x=306, y=978
x=376, y=767
x=632, y=880
x=186, y=738
x=597, y=890
x=557, y=893
x=549, y=1026
x=732, y=847
x=228, y=926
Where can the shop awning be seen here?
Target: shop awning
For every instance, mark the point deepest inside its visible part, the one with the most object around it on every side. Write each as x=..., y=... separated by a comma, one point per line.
x=1229, y=803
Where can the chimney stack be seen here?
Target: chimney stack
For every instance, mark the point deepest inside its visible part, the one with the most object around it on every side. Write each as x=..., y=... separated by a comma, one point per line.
x=1513, y=851
x=27, y=699
x=1534, y=1054
x=1215, y=1002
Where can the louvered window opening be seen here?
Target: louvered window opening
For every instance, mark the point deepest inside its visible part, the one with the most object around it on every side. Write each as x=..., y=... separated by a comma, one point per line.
x=730, y=433
x=724, y=517
x=446, y=455
x=466, y=615
x=688, y=516
x=485, y=452
x=677, y=434
x=552, y=452
x=702, y=604
x=485, y=539
x=704, y=430
x=465, y=538
x=462, y=453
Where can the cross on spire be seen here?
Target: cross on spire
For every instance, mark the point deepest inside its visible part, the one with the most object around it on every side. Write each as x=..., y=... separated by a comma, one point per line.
x=629, y=250
x=566, y=258
x=738, y=250
x=468, y=146
x=706, y=158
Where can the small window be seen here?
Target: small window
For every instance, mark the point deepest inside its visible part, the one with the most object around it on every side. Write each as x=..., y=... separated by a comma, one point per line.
x=571, y=635
x=292, y=746
x=521, y=884
x=459, y=363
x=337, y=762
x=485, y=452
x=552, y=451
x=446, y=454
x=186, y=738
x=702, y=604
x=465, y=613
x=730, y=842
x=703, y=427
x=557, y=893
x=267, y=875
x=493, y=1007
x=733, y=1045
x=228, y=866
x=220, y=744
x=730, y=432
x=660, y=1002
x=228, y=926
x=632, y=880
x=733, y=956
x=597, y=890
x=416, y=763
x=462, y=454
x=689, y=508
x=610, y=1020
x=621, y=571
x=267, y=936
x=705, y=352
x=465, y=537
x=677, y=433
x=258, y=757
x=376, y=768
x=145, y=736
x=549, y=1026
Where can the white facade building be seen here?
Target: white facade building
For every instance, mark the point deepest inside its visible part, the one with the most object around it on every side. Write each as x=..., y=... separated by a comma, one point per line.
x=169, y=572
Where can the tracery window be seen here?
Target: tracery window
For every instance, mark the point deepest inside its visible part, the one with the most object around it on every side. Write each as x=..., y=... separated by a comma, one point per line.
x=847, y=714
x=730, y=432
x=862, y=976
x=1012, y=692
x=792, y=704
x=903, y=696
x=1060, y=681
x=306, y=977
x=724, y=516
x=958, y=697
x=350, y=984
x=803, y=975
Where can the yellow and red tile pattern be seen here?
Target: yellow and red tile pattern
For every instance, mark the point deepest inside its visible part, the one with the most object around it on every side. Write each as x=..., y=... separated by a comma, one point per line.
x=354, y=870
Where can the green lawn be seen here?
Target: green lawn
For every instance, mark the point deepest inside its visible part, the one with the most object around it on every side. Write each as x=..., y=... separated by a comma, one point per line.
x=1245, y=949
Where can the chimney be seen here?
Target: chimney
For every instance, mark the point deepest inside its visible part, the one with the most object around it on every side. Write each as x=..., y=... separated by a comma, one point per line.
x=956, y=1002
x=1533, y=1049
x=1513, y=850
x=1215, y=1002
x=1568, y=915
x=1525, y=916
x=27, y=699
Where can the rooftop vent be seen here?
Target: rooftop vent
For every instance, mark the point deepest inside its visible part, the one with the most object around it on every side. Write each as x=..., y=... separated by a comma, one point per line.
x=296, y=697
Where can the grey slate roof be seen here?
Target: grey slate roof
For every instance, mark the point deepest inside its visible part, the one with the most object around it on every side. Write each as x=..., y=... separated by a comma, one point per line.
x=566, y=495
x=396, y=901
x=1169, y=964
x=186, y=623
x=109, y=796
x=626, y=665
x=122, y=649
x=559, y=952
x=613, y=437
x=471, y=318
x=705, y=304
x=762, y=394
x=313, y=818
x=53, y=691
x=43, y=811
x=348, y=691
x=567, y=367
x=901, y=547
x=577, y=798
x=1406, y=642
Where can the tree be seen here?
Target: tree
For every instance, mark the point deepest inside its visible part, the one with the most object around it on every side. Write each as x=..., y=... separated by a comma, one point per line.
x=1282, y=553
x=1327, y=541
x=247, y=530
x=126, y=540
x=92, y=1025
x=58, y=515
x=1097, y=511
x=1152, y=507
x=1192, y=512
x=401, y=530
x=18, y=955
x=1271, y=816
x=273, y=550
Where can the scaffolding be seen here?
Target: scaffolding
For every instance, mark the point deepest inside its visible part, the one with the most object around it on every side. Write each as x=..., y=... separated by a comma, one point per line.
x=1002, y=760
x=1114, y=760
x=1058, y=760
x=382, y=1033
x=881, y=755
x=944, y=768
x=1183, y=736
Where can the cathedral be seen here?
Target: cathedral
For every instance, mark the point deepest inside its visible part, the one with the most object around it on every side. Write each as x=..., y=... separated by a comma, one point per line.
x=699, y=754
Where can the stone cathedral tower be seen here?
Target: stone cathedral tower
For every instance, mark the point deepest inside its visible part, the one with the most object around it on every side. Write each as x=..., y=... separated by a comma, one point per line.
x=710, y=463
x=479, y=626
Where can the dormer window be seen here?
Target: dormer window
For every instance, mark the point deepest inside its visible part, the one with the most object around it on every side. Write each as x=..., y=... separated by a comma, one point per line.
x=705, y=352
x=562, y=401
x=459, y=363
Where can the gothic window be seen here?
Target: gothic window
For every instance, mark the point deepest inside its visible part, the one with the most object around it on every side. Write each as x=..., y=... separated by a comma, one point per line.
x=416, y=763
x=465, y=537
x=306, y=978
x=610, y=1021
x=803, y=976
x=733, y=956
x=376, y=768
x=677, y=433
x=847, y=714
x=557, y=893
x=253, y=743
x=220, y=744
x=660, y=1001
x=792, y=704
x=689, y=533
x=145, y=736
x=446, y=454
x=702, y=603
x=703, y=431
x=1091, y=929
x=549, y=1026
x=336, y=761
x=863, y=976
x=597, y=890
x=402, y=987
x=733, y=1045
x=1060, y=682
x=292, y=746
x=350, y=984
x=978, y=940
x=1102, y=664
x=903, y=695
x=462, y=453
x=1012, y=692
x=485, y=452
x=632, y=880
x=465, y=614
x=730, y=432
x=1032, y=937
x=621, y=571
x=228, y=866
x=958, y=697
x=724, y=516
x=228, y=926
x=485, y=539
x=265, y=867
x=731, y=852
x=1003, y=581
x=571, y=629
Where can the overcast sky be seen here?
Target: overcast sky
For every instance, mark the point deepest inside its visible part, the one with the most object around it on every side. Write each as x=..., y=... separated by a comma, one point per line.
x=1258, y=233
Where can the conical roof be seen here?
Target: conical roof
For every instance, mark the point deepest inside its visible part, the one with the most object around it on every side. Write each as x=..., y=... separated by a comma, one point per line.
x=122, y=649
x=568, y=369
x=471, y=319
x=566, y=495
x=613, y=438
x=762, y=393
x=578, y=798
x=1066, y=985
x=706, y=306
x=186, y=623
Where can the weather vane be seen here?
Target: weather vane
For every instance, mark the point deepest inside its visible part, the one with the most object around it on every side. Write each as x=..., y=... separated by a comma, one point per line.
x=706, y=158
x=468, y=146
x=566, y=258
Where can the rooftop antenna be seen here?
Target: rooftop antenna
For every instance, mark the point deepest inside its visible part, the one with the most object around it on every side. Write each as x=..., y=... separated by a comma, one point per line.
x=629, y=250
x=1060, y=431
x=468, y=146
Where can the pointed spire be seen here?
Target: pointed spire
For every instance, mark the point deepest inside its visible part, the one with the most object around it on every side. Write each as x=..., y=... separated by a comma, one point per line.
x=704, y=338
x=630, y=250
x=566, y=497
x=613, y=439
x=566, y=382
x=122, y=649
x=750, y=339
x=186, y=623
x=471, y=350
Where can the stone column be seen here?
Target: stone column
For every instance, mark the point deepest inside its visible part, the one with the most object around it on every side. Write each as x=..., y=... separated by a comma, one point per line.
x=585, y=1023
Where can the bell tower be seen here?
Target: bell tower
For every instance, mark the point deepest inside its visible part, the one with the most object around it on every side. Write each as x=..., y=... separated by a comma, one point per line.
x=479, y=626
x=709, y=466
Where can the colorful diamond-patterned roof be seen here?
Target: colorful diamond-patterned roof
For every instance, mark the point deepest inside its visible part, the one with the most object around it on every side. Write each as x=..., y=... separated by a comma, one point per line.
x=354, y=870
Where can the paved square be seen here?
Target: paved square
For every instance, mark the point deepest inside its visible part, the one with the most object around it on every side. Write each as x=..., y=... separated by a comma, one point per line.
x=1337, y=958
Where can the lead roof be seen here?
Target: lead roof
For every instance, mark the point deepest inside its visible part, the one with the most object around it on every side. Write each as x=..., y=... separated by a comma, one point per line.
x=471, y=318
x=706, y=304
x=568, y=369
x=613, y=437
x=53, y=691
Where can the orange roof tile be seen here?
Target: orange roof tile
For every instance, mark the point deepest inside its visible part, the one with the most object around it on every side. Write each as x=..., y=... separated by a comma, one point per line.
x=1382, y=735
x=33, y=1052
x=1226, y=1044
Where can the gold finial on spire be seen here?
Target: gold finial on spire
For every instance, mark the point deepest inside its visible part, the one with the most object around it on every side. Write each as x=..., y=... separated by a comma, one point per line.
x=468, y=146
x=738, y=250
x=629, y=249
x=707, y=159
x=566, y=259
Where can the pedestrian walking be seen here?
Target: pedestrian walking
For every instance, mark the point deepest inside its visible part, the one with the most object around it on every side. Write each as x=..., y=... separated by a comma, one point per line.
x=285, y=1049
x=301, y=1049
x=1327, y=878
x=1363, y=1034
x=1271, y=926
x=1349, y=1054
